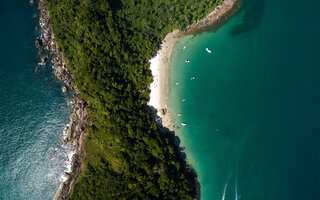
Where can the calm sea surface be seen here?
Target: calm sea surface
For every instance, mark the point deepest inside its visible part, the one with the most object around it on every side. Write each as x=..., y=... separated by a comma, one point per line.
x=33, y=111
x=253, y=109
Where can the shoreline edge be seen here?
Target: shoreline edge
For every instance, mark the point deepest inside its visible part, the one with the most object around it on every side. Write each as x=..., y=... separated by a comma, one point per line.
x=159, y=64
x=48, y=48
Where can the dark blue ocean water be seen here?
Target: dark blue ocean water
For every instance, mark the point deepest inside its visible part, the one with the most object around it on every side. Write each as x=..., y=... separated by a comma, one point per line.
x=33, y=111
x=253, y=110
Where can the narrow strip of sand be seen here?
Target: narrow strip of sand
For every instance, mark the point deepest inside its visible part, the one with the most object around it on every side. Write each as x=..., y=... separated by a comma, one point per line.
x=159, y=64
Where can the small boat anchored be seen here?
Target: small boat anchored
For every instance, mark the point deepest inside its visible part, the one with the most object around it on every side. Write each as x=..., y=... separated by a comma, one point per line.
x=183, y=124
x=179, y=114
x=187, y=61
x=192, y=78
x=177, y=83
x=183, y=100
x=184, y=47
x=208, y=50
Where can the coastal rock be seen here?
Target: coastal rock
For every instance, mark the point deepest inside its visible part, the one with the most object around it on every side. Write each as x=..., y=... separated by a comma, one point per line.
x=64, y=142
x=43, y=59
x=164, y=111
x=66, y=175
x=64, y=89
x=38, y=43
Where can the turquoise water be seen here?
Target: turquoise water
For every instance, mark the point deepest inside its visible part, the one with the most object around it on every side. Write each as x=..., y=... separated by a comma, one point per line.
x=253, y=110
x=33, y=111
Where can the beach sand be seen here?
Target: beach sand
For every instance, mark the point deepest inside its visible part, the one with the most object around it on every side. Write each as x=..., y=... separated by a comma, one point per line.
x=159, y=64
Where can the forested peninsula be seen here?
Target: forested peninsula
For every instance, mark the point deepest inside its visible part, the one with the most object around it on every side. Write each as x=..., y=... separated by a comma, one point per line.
x=107, y=45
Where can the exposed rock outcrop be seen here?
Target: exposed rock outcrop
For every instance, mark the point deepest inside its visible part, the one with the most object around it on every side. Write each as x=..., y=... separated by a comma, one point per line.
x=64, y=89
x=38, y=43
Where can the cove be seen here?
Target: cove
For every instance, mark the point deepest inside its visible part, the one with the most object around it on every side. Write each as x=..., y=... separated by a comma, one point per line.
x=252, y=111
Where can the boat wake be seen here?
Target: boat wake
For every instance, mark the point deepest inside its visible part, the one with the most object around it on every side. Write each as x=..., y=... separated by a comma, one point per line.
x=236, y=178
x=236, y=174
x=226, y=186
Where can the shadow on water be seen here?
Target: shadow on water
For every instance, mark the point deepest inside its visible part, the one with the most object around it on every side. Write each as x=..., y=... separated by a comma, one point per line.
x=252, y=18
x=174, y=141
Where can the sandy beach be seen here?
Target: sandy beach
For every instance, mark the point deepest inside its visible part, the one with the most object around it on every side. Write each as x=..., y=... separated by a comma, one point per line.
x=159, y=64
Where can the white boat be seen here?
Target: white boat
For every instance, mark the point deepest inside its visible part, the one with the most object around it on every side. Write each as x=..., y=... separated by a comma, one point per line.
x=208, y=50
x=183, y=100
x=184, y=47
x=192, y=78
x=183, y=124
x=177, y=83
x=188, y=61
x=179, y=114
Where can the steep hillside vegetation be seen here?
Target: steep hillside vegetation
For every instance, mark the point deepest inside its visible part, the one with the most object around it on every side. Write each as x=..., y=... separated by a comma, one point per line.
x=107, y=45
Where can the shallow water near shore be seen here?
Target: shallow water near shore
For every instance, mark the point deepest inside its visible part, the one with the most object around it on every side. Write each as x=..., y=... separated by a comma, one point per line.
x=253, y=109
x=34, y=111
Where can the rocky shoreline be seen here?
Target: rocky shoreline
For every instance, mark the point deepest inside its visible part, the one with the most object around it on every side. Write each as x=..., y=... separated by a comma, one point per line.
x=49, y=52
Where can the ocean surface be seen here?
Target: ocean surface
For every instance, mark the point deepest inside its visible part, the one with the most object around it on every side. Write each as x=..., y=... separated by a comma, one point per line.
x=33, y=111
x=253, y=109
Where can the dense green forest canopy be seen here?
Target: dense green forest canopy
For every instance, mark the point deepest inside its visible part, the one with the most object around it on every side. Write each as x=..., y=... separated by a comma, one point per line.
x=107, y=45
